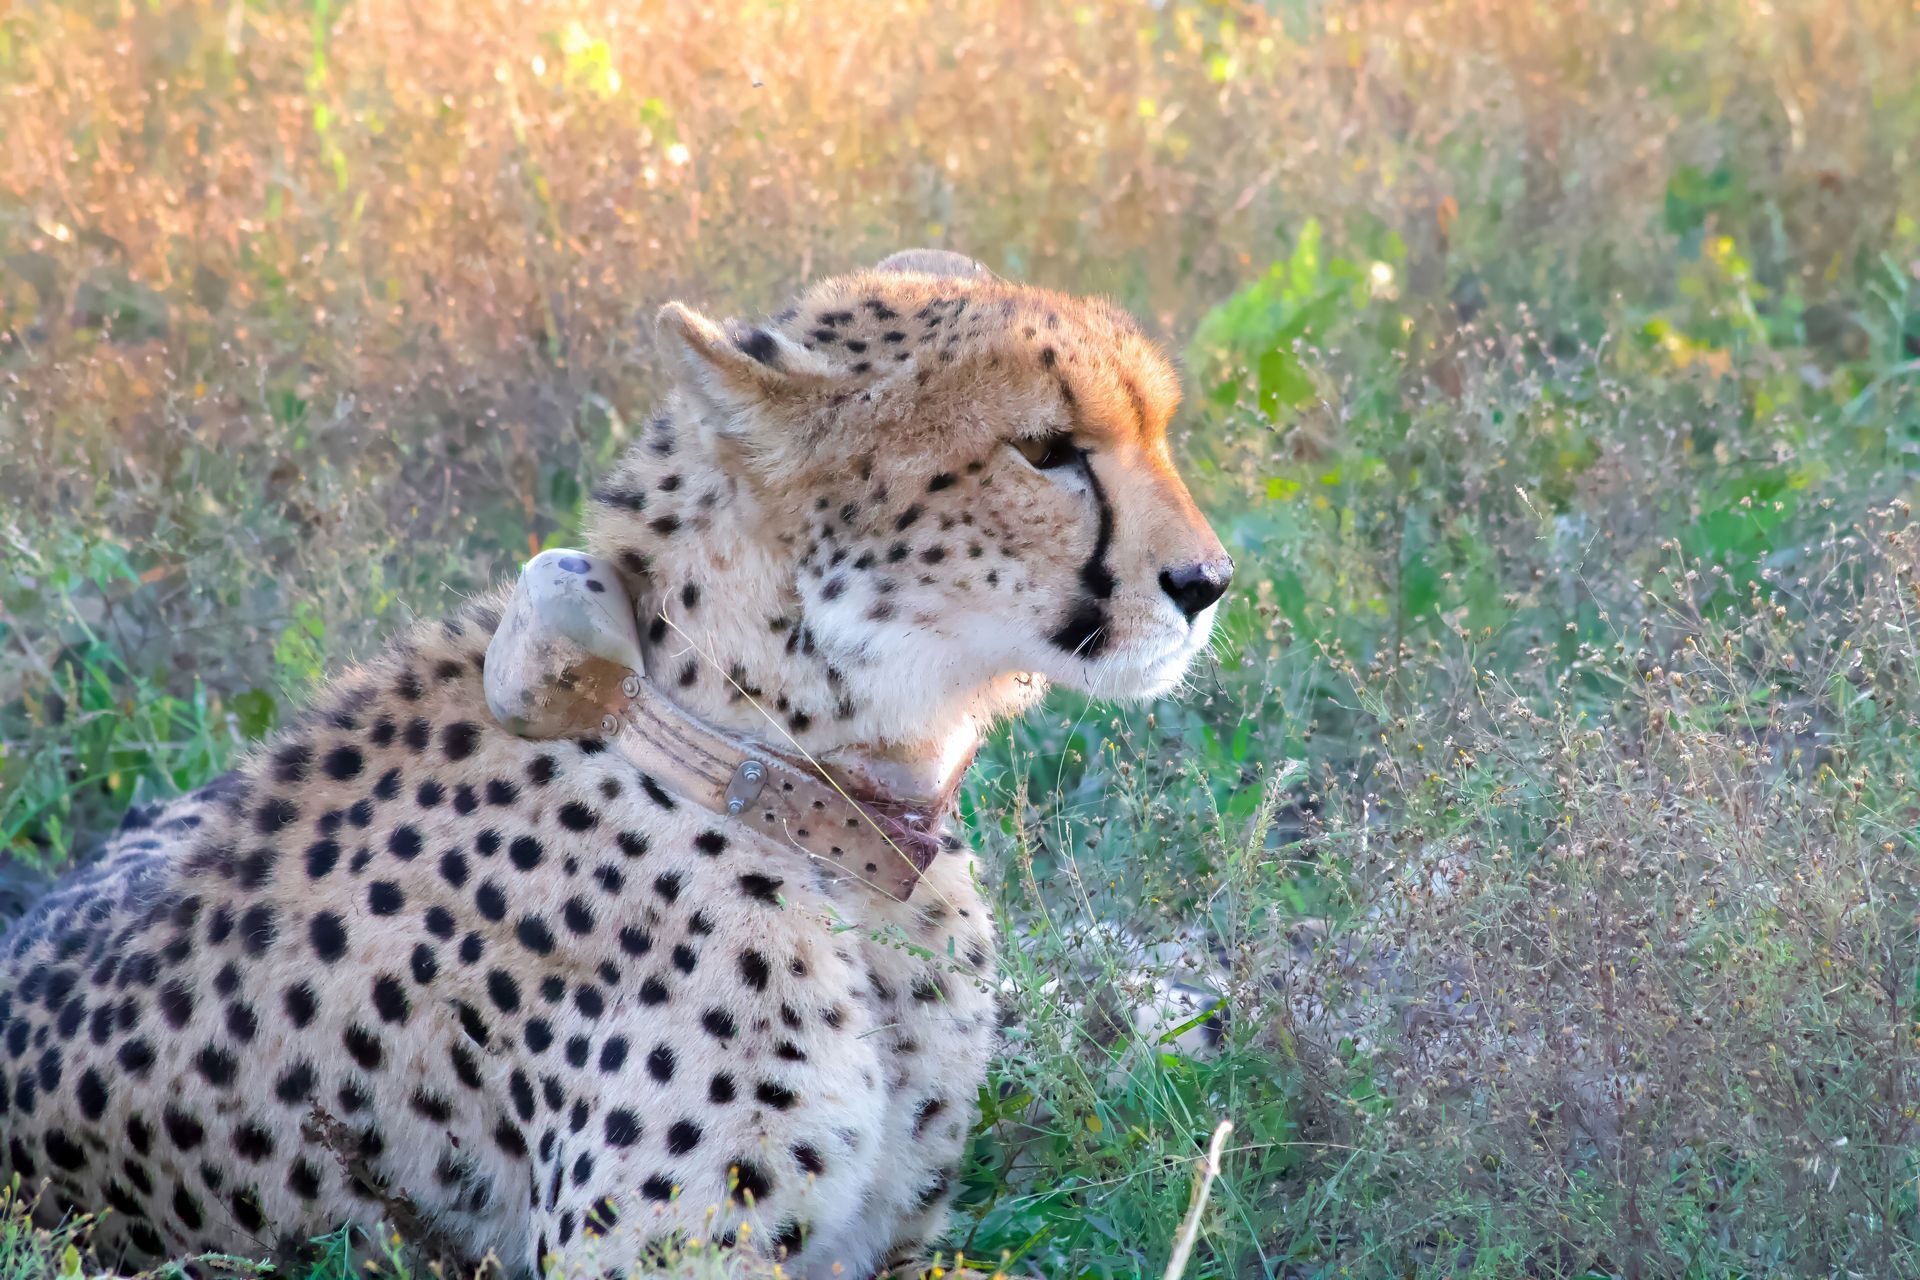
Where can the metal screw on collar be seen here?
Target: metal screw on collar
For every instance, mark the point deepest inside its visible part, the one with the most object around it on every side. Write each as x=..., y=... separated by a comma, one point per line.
x=630, y=686
x=609, y=726
x=744, y=787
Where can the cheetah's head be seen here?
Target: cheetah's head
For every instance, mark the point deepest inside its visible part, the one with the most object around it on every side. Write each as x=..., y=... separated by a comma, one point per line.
x=963, y=480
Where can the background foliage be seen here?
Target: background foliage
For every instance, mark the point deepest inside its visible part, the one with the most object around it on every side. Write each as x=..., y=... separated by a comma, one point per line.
x=1547, y=817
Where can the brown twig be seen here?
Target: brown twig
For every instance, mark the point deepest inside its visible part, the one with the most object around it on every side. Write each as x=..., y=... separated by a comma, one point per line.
x=397, y=1207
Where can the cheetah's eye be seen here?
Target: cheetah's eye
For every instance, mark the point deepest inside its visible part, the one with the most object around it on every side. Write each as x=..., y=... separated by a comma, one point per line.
x=1048, y=452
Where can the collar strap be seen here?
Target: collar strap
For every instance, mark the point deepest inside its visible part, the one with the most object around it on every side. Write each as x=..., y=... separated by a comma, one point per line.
x=565, y=662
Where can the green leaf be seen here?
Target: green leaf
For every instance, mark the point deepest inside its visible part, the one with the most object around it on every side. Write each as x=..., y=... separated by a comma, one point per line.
x=1284, y=383
x=257, y=710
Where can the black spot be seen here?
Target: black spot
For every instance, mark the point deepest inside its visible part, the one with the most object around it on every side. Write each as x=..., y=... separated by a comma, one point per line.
x=510, y=1140
x=578, y=916
x=755, y=970
x=321, y=857
x=540, y=771
x=425, y=965
x=503, y=990
x=472, y=1024
x=276, y=815
x=682, y=1137
x=295, y=1084
x=187, y=1209
x=176, y=1004
x=183, y=1130
x=719, y=1024
x=458, y=740
x=525, y=852
x=258, y=928
x=301, y=1004
x=384, y=898
x=329, y=935
x=762, y=887
x=290, y=762
x=390, y=999
x=668, y=885
x=521, y=1091
x=752, y=1181
x=91, y=1093
x=575, y=816
x=252, y=1142
x=790, y=1237
x=622, y=1127
x=242, y=1022
x=657, y=1188
x=808, y=1159
x=431, y=1106
x=491, y=901
x=777, y=1096
x=534, y=935
x=405, y=843
x=304, y=1180
x=653, y=991
x=926, y=1113
x=363, y=1046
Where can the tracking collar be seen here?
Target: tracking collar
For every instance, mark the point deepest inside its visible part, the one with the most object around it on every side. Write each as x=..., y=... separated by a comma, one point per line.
x=565, y=662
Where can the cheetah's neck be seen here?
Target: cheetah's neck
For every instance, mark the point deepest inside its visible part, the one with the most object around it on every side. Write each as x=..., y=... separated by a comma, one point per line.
x=714, y=571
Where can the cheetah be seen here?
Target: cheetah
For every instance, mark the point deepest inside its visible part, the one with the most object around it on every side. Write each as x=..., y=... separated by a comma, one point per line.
x=547, y=1001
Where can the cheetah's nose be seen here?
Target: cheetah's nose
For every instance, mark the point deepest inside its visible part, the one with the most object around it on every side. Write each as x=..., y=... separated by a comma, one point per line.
x=1192, y=587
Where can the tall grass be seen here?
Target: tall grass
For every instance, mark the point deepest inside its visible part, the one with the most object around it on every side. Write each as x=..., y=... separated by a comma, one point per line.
x=1545, y=820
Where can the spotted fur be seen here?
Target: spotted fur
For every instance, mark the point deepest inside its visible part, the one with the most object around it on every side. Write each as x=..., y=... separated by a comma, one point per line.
x=401, y=957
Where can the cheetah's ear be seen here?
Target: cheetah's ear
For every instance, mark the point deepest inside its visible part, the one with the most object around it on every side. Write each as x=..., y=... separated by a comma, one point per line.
x=934, y=262
x=737, y=366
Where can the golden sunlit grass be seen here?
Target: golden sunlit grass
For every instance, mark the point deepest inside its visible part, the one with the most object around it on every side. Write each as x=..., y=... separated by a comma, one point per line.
x=1553, y=376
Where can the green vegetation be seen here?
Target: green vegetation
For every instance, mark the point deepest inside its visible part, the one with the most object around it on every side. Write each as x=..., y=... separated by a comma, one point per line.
x=1547, y=818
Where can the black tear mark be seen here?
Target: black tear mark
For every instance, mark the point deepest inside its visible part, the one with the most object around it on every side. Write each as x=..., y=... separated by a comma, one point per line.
x=1094, y=574
x=759, y=344
x=1084, y=633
